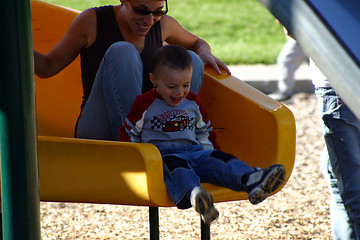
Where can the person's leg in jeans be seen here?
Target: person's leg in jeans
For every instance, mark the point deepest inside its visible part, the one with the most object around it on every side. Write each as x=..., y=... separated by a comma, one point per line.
x=185, y=166
x=340, y=223
x=183, y=183
x=226, y=170
x=222, y=169
x=180, y=178
x=342, y=137
x=198, y=73
x=117, y=83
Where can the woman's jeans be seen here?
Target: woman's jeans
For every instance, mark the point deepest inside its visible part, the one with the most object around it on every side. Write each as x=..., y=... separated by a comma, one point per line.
x=186, y=166
x=117, y=83
x=342, y=163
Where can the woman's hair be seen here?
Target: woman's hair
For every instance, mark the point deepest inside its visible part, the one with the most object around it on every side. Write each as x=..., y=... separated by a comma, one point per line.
x=173, y=56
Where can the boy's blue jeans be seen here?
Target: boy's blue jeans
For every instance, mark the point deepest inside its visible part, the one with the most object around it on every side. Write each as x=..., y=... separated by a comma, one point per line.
x=185, y=166
x=117, y=83
x=342, y=136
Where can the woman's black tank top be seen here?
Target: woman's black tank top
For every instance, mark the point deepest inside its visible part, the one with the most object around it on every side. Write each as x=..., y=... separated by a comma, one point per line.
x=108, y=33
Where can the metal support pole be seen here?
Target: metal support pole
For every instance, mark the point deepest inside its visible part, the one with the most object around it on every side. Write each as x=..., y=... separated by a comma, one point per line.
x=18, y=147
x=205, y=230
x=154, y=223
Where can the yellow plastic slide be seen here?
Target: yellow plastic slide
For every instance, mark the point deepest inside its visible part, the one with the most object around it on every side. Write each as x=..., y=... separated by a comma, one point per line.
x=250, y=125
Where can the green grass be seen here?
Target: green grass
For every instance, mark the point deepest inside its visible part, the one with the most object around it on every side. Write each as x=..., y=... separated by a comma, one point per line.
x=239, y=31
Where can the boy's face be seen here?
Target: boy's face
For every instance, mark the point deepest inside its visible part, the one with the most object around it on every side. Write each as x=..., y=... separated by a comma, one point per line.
x=172, y=84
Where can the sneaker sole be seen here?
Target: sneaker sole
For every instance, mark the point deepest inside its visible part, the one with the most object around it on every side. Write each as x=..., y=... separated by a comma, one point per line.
x=205, y=207
x=270, y=184
x=210, y=216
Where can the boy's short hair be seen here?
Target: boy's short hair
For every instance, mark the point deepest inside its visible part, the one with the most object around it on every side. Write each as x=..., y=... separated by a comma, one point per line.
x=173, y=56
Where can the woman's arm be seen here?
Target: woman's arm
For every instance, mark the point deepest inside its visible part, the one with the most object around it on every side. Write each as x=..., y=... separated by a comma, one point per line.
x=174, y=33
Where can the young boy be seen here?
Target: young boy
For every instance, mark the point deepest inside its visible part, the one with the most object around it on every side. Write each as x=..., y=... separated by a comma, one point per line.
x=174, y=119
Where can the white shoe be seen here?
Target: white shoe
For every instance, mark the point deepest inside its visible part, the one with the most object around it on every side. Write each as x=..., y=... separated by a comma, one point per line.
x=203, y=203
x=280, y=96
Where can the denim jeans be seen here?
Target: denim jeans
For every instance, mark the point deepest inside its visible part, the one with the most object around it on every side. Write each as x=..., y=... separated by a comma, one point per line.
x=341, y=131
x=117, y=83
x=186, y=166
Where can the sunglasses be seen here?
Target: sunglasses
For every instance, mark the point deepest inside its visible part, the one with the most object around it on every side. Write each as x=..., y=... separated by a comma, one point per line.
x=145, y=12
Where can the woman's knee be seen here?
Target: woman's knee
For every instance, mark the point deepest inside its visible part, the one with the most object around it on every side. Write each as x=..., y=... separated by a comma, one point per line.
x=123, y=50
x=198, y=72
x=197, y=62
x=122, y=61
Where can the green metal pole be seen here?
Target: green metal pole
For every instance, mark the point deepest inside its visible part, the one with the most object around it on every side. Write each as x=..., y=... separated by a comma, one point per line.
x=18, y=147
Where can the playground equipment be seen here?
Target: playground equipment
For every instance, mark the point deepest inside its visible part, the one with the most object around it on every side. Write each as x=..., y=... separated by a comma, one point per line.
x=256, y=129
x=324, y=29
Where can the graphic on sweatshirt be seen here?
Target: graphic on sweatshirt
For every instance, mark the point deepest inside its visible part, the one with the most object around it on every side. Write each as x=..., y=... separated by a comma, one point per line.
x=175, y=123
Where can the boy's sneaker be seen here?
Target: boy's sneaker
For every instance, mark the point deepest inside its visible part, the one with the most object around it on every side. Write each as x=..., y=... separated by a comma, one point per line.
x=203, y=203
x=261, y=183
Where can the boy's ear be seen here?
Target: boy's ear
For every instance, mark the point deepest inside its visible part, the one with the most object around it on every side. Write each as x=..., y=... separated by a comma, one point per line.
x=152, y=78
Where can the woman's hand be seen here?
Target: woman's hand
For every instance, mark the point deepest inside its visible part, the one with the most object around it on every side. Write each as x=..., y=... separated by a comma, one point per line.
x=174, y=33
x=203, y=49
x=217, y=64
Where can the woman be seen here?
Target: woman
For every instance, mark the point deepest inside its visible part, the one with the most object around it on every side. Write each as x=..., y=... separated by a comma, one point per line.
x=116, y=44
